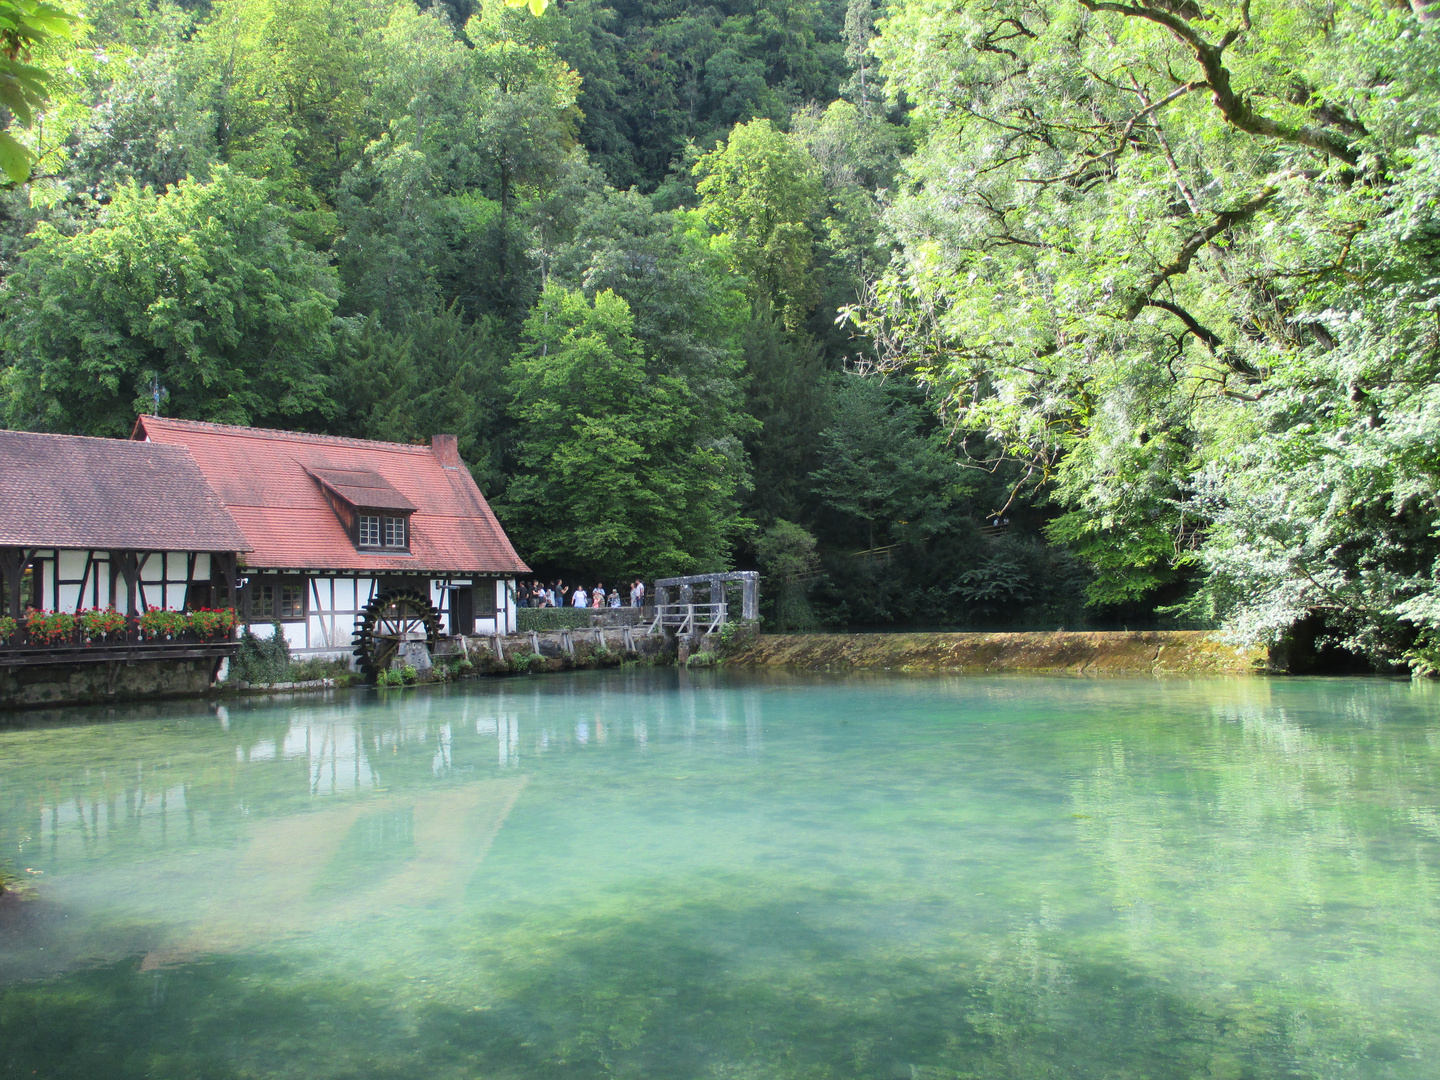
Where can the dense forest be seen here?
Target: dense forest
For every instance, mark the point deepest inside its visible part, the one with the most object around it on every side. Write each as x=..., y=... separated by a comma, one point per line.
x=943, y=312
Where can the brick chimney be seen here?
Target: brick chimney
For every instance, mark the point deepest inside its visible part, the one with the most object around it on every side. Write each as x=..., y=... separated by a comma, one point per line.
x=446, y=450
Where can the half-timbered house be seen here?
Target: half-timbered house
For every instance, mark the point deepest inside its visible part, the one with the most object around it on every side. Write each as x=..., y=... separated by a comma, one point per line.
x=103, y=523
x=352, y=540
x=96, y=523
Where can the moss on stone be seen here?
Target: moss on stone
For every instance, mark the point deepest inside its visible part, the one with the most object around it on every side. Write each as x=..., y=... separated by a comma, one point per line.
x=1176, y=652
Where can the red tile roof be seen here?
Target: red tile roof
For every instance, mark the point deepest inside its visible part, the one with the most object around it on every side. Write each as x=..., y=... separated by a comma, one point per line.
x=265, y=480
x=69, y=491
x=362, y=488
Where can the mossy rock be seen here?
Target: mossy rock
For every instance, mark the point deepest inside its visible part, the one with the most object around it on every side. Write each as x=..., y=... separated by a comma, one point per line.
x=1178, y=652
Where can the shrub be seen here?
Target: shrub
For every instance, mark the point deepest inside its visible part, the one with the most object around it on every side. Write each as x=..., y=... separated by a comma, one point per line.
x=540, y=619
x=8, y=627
x=388, y=677
x=738, y=634
x=100, y=622
x=49, y=626
x=263, y=660
x=317, y=668
x=702, y=659
x=408, y=674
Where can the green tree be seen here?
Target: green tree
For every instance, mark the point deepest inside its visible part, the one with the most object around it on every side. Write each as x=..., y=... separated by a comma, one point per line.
x=786, y=552
x=689, y=310
x=428, y=372
x=762, y=189
x=1172, y=260
x=660, y=75
x=138, y=125
x=201, y=295
x=611, y=479
x=878, y=469
x=279, y=89
x=527, y=115
x=788, y=396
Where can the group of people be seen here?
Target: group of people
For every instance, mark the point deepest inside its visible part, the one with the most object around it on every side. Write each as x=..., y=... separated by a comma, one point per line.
x=535, y=593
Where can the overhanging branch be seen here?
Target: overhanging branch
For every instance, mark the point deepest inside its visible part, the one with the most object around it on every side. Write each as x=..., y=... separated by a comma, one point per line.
x=1232, y=106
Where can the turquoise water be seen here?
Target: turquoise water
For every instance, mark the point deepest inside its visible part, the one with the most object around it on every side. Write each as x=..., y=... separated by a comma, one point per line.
x=659, y=874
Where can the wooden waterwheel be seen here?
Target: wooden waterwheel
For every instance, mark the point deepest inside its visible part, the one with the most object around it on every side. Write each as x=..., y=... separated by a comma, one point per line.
x=390, y=621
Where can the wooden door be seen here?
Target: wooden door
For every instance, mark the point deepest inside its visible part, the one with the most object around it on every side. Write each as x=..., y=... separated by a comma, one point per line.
x=462, y=610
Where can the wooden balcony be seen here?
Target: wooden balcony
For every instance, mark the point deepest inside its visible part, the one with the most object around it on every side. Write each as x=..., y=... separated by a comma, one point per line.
x=129, y=645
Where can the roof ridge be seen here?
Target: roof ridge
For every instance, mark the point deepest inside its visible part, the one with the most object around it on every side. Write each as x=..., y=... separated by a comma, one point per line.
x=290, y=436
x=108, y=439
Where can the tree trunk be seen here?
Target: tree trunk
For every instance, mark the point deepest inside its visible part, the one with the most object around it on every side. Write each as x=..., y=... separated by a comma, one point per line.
x=504, y=219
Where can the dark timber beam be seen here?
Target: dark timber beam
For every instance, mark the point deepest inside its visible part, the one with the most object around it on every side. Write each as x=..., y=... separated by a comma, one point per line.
x=12, y=569
x=127, y=566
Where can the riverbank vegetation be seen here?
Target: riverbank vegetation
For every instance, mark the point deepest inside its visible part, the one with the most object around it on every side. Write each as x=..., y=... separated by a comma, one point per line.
x=1060, y=312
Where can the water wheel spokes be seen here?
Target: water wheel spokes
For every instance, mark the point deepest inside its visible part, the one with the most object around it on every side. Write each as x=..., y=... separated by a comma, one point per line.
x=389, y=623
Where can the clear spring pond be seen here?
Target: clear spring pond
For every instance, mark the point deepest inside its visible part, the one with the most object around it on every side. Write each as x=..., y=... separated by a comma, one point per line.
x=659, y=874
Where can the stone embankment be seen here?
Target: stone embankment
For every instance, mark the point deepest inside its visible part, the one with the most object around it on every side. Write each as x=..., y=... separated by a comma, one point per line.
x=558, y=650
x=95, y=683
x=1173, y=652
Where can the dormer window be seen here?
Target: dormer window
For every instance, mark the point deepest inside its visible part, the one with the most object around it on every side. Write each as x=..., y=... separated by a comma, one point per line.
x=395, y=532
x=369, y=530
x=380, y=530
x=375, y=514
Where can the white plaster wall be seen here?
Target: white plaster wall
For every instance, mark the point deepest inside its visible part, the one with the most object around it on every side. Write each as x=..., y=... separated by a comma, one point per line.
x=345, y=595
x=505, y=605
x=72, y=563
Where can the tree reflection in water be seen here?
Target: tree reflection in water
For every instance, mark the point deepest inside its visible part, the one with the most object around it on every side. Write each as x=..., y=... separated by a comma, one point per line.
x=779, y=877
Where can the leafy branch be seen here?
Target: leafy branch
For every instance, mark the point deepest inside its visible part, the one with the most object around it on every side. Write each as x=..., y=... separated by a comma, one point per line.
x=1233, y=106
x=24, y=87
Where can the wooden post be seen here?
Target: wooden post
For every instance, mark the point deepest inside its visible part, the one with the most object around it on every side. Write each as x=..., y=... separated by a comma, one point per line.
x=495, y=644
x=534, y=642
x=127, y=566
x=12, y=569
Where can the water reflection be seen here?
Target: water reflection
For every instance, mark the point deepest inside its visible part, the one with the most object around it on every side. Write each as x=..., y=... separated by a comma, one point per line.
x=631, y=875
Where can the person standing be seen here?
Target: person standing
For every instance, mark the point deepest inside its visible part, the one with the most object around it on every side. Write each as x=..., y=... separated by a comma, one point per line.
x=637, y=594
x=579, y=598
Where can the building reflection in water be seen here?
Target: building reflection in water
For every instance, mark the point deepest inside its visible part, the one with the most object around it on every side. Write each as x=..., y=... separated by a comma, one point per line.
x=260, y=758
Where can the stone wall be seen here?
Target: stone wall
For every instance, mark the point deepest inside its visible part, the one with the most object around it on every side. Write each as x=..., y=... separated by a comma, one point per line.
x=114, y=680
x=1176, y=652
x=552, y=644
